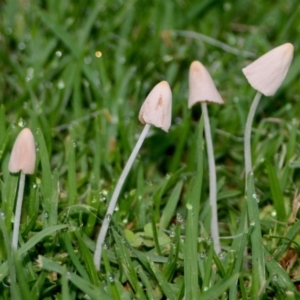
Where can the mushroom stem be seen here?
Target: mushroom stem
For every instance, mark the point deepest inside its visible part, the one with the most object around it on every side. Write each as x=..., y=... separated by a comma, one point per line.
x=114, y=198
x=17, y=217
x=212, y=180
x=247, y=134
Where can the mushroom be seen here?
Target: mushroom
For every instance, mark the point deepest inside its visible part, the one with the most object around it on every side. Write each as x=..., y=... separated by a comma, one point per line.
x=22, y=159
x=156, y=110
x=202, y=89
x=265, y=75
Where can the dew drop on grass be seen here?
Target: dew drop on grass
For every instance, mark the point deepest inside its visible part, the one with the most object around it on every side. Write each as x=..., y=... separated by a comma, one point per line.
x=172, y=234
x=104, y=246
x=8, y=31
x=252, y=223
x=74, y=144
x=108, y=216
x=125, y=221
x=274, y=213
x=255, y=197
x=209, y=241
x=221, y=255
x=21, y=123
x=21, y=46
x=189, y=206
x=12, y=219
x=275, y=277
x=2, y=214
x=111, y=278
x=117, y=208
x=102, y=196
x=202, y=255
x=61, y=84
x=58, y=53
x=46, y=215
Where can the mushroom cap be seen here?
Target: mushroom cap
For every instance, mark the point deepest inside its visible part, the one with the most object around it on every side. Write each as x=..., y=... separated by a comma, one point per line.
x=267, y=72
x=157, y=107
x=201, y=86
x=22, y=157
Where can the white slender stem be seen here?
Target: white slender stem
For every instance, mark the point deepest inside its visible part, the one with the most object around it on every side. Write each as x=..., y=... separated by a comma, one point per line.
x=114, y=198
x=247, y=134
x=212, y=181
x=17, y=217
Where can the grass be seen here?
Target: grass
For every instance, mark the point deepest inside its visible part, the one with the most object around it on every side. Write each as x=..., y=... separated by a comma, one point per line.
x=77, y=74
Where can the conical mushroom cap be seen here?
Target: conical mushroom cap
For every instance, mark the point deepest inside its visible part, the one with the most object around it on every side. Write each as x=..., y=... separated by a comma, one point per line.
x=201, y=86
x=22, y=157
x=157, y=108
x=267, y=72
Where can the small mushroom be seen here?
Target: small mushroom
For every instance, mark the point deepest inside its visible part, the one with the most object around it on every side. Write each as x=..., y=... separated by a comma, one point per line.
x=156, y=110
x=157, y=107
x=265, y=75
x=202, y=89
x=268, y=72
x=22, y=159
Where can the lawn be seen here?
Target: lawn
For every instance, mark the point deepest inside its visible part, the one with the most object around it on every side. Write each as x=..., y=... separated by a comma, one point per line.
x=77, y=73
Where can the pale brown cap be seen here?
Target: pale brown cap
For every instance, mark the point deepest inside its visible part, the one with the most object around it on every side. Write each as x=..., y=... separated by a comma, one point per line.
x=201, y=86
x=157, y=107
x=22, y=157
x=267, y=72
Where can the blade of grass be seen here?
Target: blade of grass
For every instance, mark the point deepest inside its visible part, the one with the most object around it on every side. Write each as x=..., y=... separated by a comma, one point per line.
x=192, y=226
x=91, y=290
x=30, y=244
x=276, y=192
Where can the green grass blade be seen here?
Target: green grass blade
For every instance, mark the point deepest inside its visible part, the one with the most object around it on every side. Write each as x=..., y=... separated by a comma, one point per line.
x=191, y=229
x=276, y=192
x=169, y=210
x=30, y=244
x=91, y=290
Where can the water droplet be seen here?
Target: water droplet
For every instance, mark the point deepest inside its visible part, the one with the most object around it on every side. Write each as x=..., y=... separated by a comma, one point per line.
x=69, y=275
x=179, y=218
x=255, y=197
x=221, y=255
x=202, y=254
x=104, y=246
x=252, y=223
x=8, y=31
x=37, y=149
x=2, y=214
x=168, y=176
x=172, y=234
x=87, y=60
x=98, y=54
x=108, y=216
x=21, y=123
x=74, y=144
x=205, y=288
x=102, y=196
x=117, y=208
x=125, y=221
x=61, y=84
x=209, y=241
x=58, y=53
x=46, y=215
x=34, y=186
x=48, y=84
x=21, y=46
x=275, y=277
x=189, y=206
x=274, y=213
x=122, y=59
x=12, y=219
